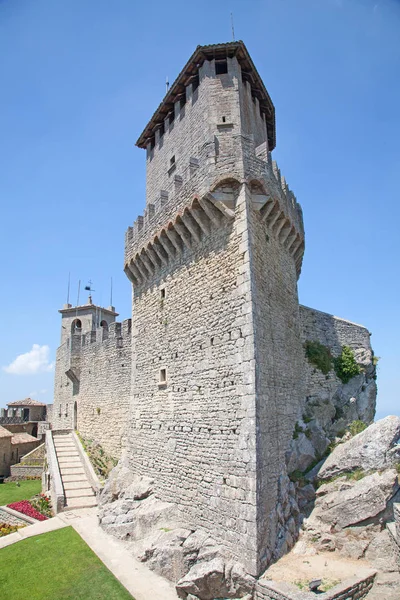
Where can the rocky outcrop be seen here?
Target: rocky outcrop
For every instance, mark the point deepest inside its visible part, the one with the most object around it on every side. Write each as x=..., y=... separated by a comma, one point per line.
x=376, y=448
x=355, y=490
x=344, y=503
x=202, y=570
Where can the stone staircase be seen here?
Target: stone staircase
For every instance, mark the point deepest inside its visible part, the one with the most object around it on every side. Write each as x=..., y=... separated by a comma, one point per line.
x=78, y=491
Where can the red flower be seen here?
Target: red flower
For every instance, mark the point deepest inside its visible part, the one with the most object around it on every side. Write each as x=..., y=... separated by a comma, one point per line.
x=26, y=508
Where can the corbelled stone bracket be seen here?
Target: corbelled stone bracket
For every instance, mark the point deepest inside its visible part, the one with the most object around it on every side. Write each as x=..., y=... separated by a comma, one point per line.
x=281, y=226
x=188, y=228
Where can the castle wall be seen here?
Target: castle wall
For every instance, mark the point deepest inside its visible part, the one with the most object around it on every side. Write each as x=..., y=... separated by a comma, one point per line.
x=195, y=434
x=279, y=380
x=355, y=400
x=102, y=388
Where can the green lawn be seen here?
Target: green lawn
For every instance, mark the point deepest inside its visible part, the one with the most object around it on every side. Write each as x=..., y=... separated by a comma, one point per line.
x=10, y=492
x=56, y=566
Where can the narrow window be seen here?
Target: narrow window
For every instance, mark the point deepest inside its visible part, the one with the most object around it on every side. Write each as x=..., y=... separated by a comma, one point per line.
x=162, y=293
x=104, y=325
x=182, y=103
x=152, y=143
x=172, y=161
x=221, y=67
x=195, y=83
x=162, y=129
x=163, y=375
x=223, y=119
x=171, y=117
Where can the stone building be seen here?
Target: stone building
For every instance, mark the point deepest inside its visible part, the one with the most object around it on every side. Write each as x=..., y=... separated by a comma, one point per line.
x=205, y=388
x=13, y=446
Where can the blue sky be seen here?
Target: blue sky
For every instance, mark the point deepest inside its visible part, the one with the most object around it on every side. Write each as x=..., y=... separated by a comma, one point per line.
x=81, y=79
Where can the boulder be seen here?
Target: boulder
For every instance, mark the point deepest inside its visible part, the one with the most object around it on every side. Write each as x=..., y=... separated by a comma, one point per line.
x=301, y=454
x=140, y=521
x=357, y=501
x=217, y=578
x=375, y=448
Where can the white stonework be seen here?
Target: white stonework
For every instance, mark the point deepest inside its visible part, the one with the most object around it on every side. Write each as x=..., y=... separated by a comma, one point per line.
x=204, y=387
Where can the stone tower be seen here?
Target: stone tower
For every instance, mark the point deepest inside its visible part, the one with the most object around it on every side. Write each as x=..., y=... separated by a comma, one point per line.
x=217, y=363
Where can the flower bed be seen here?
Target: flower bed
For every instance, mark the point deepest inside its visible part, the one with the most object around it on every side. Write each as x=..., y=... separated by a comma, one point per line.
x=26, y=508
x=6, y=528
x=42, y=504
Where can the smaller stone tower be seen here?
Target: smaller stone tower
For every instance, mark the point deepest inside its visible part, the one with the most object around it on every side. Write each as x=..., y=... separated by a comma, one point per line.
x=78, y=320
x=84, y=330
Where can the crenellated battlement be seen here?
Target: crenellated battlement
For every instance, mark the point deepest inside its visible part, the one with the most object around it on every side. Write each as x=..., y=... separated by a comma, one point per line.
x=116, y=331
x=174, y=223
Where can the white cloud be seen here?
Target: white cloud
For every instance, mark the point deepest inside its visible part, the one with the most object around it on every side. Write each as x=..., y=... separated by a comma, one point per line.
x=37, y=393
x=32, y=362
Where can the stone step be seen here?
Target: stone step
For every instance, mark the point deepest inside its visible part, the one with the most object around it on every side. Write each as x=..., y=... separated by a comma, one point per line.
x=62, y=460
x=63, y=456
x=79, y=494
x=71, y=470
x=80, y=503
x=74, y=478
x=71, y=452
x=64, y=445
x=83, y=484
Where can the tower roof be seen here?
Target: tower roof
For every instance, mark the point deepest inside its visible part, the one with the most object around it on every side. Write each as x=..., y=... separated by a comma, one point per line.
x=69, y=309
x=26, y=402
x=218, y=52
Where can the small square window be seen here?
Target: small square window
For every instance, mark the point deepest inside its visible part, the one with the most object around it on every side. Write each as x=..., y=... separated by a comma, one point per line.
x=163, y=377
x=221, y=67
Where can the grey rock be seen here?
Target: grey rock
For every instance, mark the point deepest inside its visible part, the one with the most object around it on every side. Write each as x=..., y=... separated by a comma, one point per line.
x=139, y=489
x=307, y=492
x=363, y=500
x=208, y=580
x=301, y=454
x=380, y=553
x=375, y=448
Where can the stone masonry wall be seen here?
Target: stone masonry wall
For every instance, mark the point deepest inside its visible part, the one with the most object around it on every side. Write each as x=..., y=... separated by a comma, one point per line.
x=103, y=392
x=5, y=455
x=335, y=333
x=196, y=435
x=356, y=588
x=279, y=374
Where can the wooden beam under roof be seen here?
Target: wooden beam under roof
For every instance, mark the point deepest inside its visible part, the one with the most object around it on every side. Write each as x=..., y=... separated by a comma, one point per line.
x=210, y=52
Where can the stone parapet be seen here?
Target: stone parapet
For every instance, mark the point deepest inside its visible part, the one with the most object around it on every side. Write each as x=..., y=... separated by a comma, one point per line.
x=355, y=588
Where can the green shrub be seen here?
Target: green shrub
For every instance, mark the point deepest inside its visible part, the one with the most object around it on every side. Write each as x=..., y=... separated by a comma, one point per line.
x=298, y=477
x=398, y=468
x=357, y=427
x=297, y=429
x=319, y=355
x=345, y=365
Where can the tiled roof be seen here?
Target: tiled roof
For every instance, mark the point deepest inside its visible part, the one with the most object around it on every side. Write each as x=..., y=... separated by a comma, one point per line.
x=213, y=51
x=22, y=438
x=26, y=402
x=4, y=432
